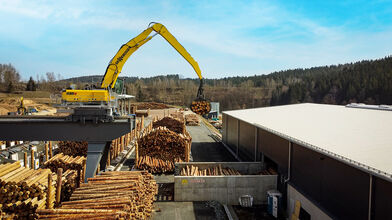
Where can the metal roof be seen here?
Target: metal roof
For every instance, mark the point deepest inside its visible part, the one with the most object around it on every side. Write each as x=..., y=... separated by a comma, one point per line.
x=359, y=137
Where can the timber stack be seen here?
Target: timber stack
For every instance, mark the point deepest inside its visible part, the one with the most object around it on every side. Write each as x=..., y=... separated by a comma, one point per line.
x=211, y=171
x=73, y=148
x=170, y=123
x=112, y=195
x=179, y=115
x=192, y=120
x=23, y=190
x=73, y=172
x=159, y=149
x=201, y=107
x=65, y=162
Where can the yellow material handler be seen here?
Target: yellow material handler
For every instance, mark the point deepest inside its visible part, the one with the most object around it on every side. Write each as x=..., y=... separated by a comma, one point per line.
x=99, y=104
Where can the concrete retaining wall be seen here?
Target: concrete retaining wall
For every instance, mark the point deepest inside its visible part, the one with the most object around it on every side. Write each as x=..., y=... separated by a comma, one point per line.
x=225, y=189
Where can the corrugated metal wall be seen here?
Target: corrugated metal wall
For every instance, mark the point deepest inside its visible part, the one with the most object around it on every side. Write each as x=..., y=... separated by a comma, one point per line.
x=382, y=202
x=247, y=141
x=232, y=132
x=275, y=148
x=340, y=189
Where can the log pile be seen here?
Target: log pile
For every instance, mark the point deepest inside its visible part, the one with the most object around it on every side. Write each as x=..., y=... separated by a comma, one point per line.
x=269, y=171
x=151, y=105
x=65, y=162
x=156, y=165
x=23, y=190
x=163, y=148
x=71, y=179
x=201, y=107
x=73, y=148
x=144, y=113
x=73, y=168
x=192, y=120
x=211, y=171
x=179, y=115
x=112, y=195
x=170, y=123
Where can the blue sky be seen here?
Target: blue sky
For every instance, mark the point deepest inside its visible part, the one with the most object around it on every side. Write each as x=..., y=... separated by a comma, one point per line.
x=227, y=38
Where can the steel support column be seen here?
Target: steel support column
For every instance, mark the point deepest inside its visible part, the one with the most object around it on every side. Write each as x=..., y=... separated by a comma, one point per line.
x=94, y=154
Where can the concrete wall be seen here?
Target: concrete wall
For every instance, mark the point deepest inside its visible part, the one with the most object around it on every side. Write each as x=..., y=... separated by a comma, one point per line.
x=293, y=195
x=225, y=189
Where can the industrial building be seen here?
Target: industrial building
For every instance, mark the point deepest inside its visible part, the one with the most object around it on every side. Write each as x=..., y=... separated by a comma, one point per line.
x=335, y=160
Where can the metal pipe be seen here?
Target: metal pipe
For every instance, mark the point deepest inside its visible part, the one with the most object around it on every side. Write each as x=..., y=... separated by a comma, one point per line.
x=238, y=136
x=370, y=196
x=256, y=141
x=289, y=163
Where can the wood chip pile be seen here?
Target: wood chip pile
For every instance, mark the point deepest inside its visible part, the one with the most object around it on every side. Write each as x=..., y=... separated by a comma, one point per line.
x=73, y=148
x=170, y=123
x=201, y=107
x=192, y=120
x=191, y=170
x=24, y=190
x=112, y=195
x=163, y=147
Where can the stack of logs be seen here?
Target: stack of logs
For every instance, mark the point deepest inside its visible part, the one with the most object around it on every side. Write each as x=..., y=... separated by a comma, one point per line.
x=118, y=145
x=74, y=169
x=210, y=171
x=201, y=107
x=112, y=195
x=163, y=143
x=179, y=115
x=269, y=171
x=24, y=190
x=192, y=120
x=73, y=148
x=170, y=123
x=65, y=162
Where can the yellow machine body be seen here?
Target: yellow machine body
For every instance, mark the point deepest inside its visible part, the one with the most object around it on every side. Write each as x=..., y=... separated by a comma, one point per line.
x=98, y=95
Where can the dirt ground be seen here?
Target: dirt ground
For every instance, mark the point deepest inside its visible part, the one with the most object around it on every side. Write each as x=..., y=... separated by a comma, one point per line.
x=41, y=101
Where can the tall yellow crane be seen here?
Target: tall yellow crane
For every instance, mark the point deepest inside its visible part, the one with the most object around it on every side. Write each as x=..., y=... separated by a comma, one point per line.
x=95, y=103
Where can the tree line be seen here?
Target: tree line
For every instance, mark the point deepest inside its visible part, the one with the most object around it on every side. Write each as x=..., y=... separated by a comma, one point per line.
x=368, y=81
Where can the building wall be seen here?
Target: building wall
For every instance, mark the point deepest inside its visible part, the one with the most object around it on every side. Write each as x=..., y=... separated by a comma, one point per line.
x=275, y=148
x=340, y=189
x=315, y=212
x=247, y=141
x=232, y=133
x=382, y=199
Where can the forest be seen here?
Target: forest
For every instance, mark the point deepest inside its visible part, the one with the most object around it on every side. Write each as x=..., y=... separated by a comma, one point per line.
x=368, y=81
